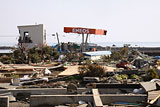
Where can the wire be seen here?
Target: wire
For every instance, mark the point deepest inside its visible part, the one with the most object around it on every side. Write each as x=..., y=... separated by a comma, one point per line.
x=8, y=36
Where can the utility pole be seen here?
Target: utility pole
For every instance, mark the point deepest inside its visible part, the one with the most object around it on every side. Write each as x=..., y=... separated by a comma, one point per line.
x=86, y=44
x=82, y=45
x=58, y=39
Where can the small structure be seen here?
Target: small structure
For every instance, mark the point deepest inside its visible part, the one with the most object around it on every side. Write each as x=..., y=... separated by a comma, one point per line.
x=5, y=52
x=32, y=35
x=83, y=31
x=96, y=55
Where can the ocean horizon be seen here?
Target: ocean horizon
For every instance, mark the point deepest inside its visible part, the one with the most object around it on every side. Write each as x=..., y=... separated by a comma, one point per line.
x=104, y=44
x=131, y=44
x=121, y=44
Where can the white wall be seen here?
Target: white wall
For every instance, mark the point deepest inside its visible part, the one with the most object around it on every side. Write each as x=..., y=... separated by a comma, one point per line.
x=93, y=57
x=37, y=34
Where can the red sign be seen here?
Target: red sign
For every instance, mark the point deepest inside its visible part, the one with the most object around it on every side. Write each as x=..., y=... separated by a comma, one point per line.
x=80, y=30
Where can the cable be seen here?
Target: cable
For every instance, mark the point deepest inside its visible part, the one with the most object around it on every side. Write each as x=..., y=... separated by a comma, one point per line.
x=8, y=36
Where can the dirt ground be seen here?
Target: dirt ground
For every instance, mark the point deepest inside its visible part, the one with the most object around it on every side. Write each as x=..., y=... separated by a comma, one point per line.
x=71, y=70
x=18, y=104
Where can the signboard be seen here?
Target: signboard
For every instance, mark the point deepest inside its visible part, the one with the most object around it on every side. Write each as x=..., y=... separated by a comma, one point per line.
x=80, y=30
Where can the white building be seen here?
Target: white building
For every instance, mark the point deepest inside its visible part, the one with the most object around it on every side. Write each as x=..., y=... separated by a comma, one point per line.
x=32, y=35
x=96, y=55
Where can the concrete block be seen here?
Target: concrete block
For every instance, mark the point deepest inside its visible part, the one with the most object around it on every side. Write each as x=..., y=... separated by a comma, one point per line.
x=129, y=98
x=9, y=94
x=4, y=101
x=42, y=91
x=53, y=100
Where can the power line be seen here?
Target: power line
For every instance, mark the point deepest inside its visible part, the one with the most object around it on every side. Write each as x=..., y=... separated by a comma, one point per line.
x=8, y=35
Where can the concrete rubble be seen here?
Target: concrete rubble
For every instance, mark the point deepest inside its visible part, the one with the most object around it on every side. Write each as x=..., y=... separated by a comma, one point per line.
x=126, y=82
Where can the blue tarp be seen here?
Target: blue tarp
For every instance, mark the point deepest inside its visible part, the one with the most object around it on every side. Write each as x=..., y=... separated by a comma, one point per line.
x=55, y=46
x=156, y=57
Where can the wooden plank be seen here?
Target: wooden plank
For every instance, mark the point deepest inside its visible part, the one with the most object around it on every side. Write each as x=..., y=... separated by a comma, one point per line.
x=153, y=94
x=148, y=86
x=97, y=99
x=155, y=99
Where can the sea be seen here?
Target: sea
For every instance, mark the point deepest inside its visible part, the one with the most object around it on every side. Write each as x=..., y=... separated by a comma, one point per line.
x=104, y=44
x=131, y=44
x=121, y=44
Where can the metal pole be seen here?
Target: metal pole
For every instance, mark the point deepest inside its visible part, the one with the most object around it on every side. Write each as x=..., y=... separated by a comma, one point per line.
x=58, y=39
x=86, y=45
x=82, y=48
x=59, y=47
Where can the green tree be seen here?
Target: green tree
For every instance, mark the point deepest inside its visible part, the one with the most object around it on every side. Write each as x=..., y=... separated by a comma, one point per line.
x=18, y=57
x=42, y=54
x=34, y=55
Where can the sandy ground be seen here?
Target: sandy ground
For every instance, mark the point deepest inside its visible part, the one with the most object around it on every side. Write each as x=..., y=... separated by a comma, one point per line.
x=7, y=85
x=109, y=69
x=20, y=67
x=71, y=70
x=18, y=104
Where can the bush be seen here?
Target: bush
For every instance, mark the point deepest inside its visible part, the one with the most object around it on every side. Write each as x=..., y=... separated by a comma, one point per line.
x=5, y=59
x=35, y=58
x=151, y=74
x=18, y=57
x=134, y=76
x=121, y=77
x=34, y=55
x=106, y=59
x=70, y=78
x=116, y=56
x=92, y=70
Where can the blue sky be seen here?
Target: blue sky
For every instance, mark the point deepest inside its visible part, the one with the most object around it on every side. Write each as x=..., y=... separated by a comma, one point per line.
x=125, y=20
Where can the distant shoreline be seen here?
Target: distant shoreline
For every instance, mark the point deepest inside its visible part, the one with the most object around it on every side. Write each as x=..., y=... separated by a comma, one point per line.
x=103, y=44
